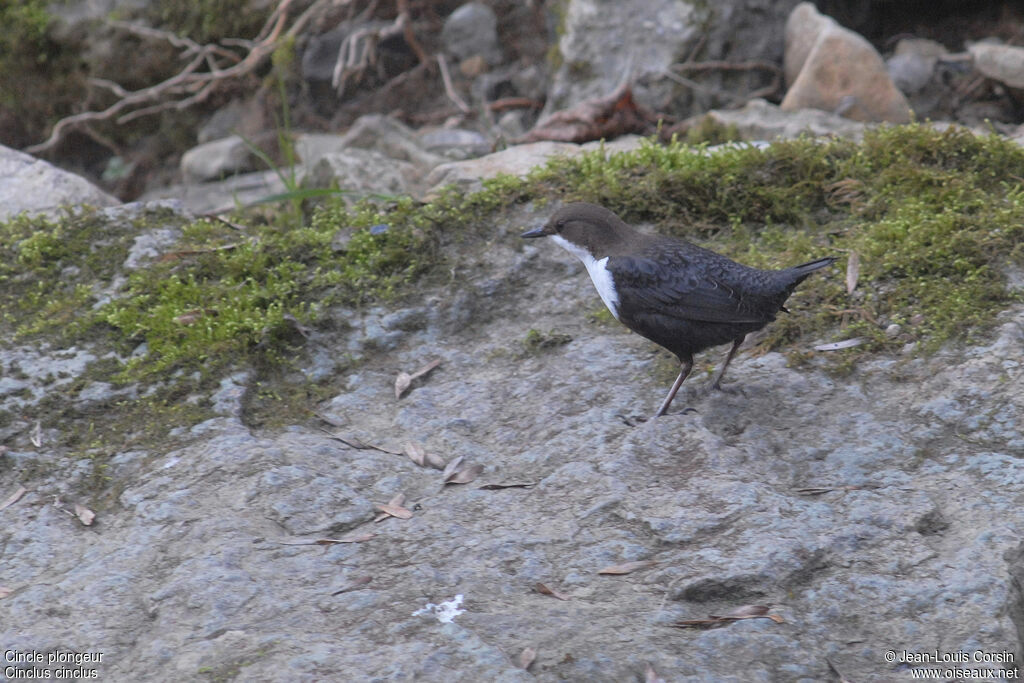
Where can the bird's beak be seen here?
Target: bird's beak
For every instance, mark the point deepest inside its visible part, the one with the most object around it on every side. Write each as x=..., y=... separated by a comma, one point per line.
x=536, y=232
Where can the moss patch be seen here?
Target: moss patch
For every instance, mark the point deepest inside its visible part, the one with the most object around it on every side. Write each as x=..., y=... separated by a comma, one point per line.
x=934, y=217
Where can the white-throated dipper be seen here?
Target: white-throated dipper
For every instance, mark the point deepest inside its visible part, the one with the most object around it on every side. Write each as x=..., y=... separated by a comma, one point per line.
x=680, y=296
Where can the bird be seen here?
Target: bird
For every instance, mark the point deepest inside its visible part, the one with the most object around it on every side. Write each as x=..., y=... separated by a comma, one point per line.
x=681, y=296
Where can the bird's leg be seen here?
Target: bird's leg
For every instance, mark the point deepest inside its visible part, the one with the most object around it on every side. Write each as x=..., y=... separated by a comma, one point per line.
x=716, y=383
x=687, y=366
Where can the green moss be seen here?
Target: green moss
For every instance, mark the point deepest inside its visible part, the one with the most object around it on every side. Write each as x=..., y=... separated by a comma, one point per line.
x=206, y=21
x=935, y=218
x=537, y=341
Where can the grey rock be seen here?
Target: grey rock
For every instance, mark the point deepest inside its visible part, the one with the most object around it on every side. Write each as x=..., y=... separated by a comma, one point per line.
x=874, y=511
x=223, y=123
x=149, y=246
x=603, y=44
x=217, y=159
x=517, y=160
x=455, y=143
x=762, y=120
x=1003, y=63
x=225, y=195
x=363, y=171
x=472, y=30
x=35, y=187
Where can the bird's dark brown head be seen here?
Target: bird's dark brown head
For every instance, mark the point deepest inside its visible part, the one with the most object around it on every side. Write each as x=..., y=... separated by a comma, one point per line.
x=588, y=226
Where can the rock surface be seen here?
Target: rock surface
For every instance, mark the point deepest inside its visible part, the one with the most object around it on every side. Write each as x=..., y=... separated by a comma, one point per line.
x=217, y=159
x=832, y=68
x=874, y=512
x=472, y=31
x=34, y=186
x=762, y=120
x=1004, y=63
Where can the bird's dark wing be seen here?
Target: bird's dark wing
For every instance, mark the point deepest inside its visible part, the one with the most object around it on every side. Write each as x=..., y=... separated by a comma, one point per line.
x=685, y=288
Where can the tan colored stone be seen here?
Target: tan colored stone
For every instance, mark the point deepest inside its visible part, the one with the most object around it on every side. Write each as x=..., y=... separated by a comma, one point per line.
x=841, y=73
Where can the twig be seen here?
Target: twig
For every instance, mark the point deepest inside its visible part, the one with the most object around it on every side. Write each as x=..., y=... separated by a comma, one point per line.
x=190, y=85
x=448, y=88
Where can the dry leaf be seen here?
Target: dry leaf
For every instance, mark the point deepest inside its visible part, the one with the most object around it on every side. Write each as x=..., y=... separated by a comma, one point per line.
x=651, y=676
x=330, y=541
x=852, y=271
x=416, y=452
x=738, y=614
x=5, y=591
x=402, y=383
x=398, y=500
x=628, y=567
x=434, y=460
x=404, y=379
x=357, y=443
x=526, y=658
x=354, y=585
x=36, y=437
x=451, y=467
x=394, y=510
x=464, y=475
x=84, y=514
x=744, y=612
x=498, y=487
x=845, y=344
x=13, y=498
x=544, y=590
x=189, y=317
x=593, y=119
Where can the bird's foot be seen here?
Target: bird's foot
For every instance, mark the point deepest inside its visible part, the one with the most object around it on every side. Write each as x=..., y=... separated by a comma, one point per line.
x=728, y=389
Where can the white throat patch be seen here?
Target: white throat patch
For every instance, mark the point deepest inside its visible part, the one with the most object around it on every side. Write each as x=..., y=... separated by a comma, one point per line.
x=598, y=271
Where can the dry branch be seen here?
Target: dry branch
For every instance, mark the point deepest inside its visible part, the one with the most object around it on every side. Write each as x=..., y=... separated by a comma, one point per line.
x=209, y=68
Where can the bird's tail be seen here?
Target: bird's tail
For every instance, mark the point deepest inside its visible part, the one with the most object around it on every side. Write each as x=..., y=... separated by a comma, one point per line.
x=799, y=273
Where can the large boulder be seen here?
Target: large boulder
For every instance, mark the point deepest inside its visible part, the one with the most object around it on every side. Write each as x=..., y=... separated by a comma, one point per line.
x=603, y=43
x=37, y=187
x=832, y=68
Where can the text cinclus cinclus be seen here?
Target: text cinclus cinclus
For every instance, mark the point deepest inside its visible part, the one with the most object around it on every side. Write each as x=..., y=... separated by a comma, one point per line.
x=678, y=295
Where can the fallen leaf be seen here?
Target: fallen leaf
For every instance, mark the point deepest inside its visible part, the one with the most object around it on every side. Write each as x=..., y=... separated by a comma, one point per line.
x=593, y=119
x=404, y=379
x=84, y=514
x=738, y=614
x=398, y=500
x=189, y=317
x=394, y=510
x=402, y=383
x=13, y=498
x=357, y=443
x=5, y=591
x=330, y=541
x=744, y=612
x=516, y=485
x=526, y=658
x=852, y=271
x=628, y=567
x=451, y=467
x=651, y=676
x=354, y=584
x=416, y=452
x=434, y=460
x=845, y=344
x=543, y=589
x=464, y=475
x=36, y=437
